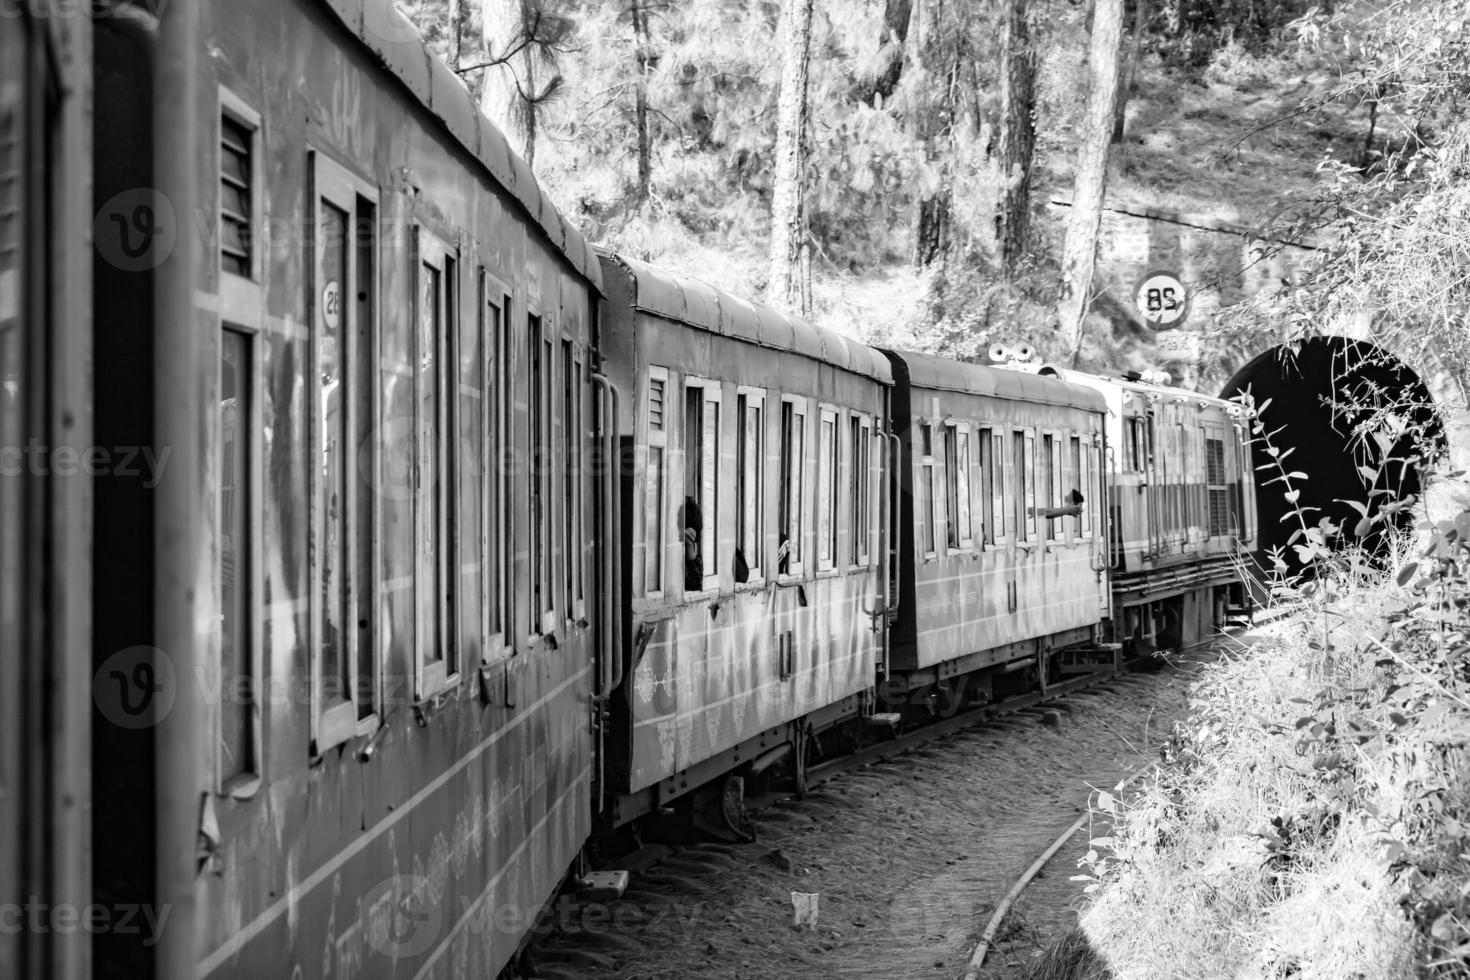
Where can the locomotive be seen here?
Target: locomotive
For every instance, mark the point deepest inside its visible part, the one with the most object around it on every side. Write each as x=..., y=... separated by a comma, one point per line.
x=370, y=543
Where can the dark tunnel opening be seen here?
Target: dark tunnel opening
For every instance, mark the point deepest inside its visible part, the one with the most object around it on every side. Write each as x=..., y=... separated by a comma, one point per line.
x=1361, y=425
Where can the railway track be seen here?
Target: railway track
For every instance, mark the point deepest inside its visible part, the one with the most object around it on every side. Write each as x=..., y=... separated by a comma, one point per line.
x=966, y=718
x=683, y=893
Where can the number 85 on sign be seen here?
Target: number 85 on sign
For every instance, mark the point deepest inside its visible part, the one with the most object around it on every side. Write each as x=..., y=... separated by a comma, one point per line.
x=1161, y=300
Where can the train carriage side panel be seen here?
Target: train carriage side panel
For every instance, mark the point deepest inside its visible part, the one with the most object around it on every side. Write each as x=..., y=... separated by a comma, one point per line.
x=985, y=573
x=745, y=424
x=400, y=348
x=1182, y=503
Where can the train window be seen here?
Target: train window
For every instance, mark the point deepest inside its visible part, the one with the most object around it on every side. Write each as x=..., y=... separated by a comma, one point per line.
x=827, y=462
x=1181, y=499
x=992, y=487
x=653, y=509
x=1049, y=485
x=1024, y=444
x=538, y=525
x=435, y=586
x=1219, y=491
x=495, y=496
x=238, y=169
x=699, y=516
x=927, y=488
x=793, y=462
x=1078, y=471
x=750, y=479
x=957, y=487
x=860, y=487
x=342, y=322
x=1243, y=497
x=470, y=422
x=237, y=753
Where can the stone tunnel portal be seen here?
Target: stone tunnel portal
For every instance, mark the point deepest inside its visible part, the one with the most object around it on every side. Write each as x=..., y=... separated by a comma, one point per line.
x=1360, y=425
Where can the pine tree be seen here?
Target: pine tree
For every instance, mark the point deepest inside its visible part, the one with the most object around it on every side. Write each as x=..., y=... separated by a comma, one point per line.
x=788, y=224
x=1080, y=250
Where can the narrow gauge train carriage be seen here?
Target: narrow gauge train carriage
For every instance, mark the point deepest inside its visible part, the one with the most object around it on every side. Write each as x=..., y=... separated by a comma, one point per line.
x=378, y=595
x=1000, y=568
x=1182, y=509
x=755, y=514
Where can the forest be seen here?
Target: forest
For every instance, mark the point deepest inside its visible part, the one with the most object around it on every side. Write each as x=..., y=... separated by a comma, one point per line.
x=931, y=173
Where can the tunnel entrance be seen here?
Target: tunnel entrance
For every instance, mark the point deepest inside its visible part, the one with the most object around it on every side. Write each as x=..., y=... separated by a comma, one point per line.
x=1360, y=422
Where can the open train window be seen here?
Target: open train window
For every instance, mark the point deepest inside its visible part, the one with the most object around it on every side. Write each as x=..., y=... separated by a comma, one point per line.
x=750, y=490
x=435, y=590
x=1078, y=470
x=827, y=464
x=1049, y=485
x=860, y=486
x=992, y=485
x=927, y=489
x=237, y=746
x=344, y=661
x=655, y=410
x=958, y=522
x=698, y=515
x=1023, y=442
x=495, y=496
x=793, y=464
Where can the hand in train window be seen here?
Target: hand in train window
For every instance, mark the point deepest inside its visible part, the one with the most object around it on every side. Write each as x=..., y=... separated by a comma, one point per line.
x=693, y=525
x=1072, y=507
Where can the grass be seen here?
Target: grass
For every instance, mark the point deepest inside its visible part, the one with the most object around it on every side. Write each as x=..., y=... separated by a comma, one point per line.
x=1313, y=817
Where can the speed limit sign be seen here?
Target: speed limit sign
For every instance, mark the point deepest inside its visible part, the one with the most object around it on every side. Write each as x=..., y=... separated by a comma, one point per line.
x=1161, y=299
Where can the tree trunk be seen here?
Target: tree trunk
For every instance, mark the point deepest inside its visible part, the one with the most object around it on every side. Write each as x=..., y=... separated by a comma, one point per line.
x=937, y=126
x=1017, y=143
x=1080, y=250
x=503, y=95
x=896, y=17
x=640, y=99
x=788, y=224
x=456, y=33
x=1129, y=67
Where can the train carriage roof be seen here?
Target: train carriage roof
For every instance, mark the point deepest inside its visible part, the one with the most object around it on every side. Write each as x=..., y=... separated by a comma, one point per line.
x=697, y=304
x=943, y=374
x=397, y=44
x=1144, y=389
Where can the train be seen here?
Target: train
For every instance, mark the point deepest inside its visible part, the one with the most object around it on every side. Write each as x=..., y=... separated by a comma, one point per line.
x=374, y=549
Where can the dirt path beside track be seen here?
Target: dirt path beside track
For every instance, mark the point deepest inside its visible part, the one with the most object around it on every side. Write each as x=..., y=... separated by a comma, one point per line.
x=908, y=857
